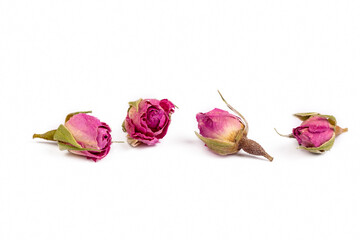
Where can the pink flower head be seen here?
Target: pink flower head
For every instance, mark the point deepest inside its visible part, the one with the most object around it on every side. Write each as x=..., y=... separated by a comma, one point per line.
x=219, y=124
x=81, y=134
x=226, y=134
x=314, y=132
x=148, y=120
x=317, y=132
x=90, y=133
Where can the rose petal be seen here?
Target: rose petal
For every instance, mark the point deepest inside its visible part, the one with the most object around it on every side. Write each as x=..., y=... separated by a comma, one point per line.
x=84, y=129
x=219, y=124
x=313, y=132
x=150, y=122
x=167, y=106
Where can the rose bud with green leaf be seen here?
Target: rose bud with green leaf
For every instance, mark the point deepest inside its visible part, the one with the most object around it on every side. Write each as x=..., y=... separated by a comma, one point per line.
x=225, y=133
x=81, y=134
x=147, y=121
x=317, y=132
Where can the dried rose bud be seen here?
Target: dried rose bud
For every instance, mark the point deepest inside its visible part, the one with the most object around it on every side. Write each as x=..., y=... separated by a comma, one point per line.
x=81, y=134
x=317, y=132
x=147, y=121
x=225, y=133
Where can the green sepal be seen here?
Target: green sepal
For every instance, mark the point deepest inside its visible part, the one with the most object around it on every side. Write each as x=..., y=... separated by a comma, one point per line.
x=66, y=140
x=135, y=104
x=242, y=118
x=74, y=113
x=324, y=147
x=62, y=134
x=284, y=135
x=133, y=142
x=305, y=116
x=331, y=119
x=47, y=136
x=239, y=136
x=218, y=146
x=123, y=126
x=63, y=146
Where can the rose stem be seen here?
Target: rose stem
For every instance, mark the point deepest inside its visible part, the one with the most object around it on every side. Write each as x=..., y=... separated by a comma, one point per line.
x=252, y=147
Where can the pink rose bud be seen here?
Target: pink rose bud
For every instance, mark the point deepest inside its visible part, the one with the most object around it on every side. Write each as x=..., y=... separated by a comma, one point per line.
x=225, y=133
x=317, y=132
x=219, y=124
x=147, y=121
x=81, y=134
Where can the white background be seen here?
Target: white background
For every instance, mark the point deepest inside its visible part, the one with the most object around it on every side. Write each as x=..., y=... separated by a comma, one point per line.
x=270, y=59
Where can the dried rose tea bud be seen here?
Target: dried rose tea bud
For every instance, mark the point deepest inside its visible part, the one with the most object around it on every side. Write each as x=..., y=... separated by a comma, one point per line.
x=225, y=133
x=317, y=132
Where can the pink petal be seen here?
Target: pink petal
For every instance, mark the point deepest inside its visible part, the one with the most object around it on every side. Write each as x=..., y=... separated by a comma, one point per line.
x=219, y=124
x=84, y=129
